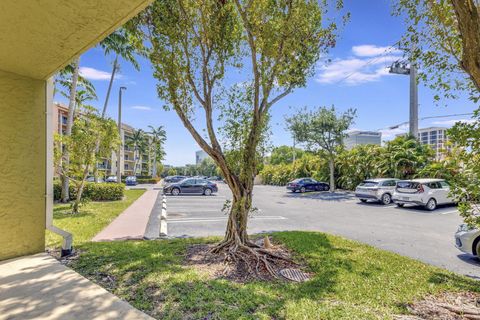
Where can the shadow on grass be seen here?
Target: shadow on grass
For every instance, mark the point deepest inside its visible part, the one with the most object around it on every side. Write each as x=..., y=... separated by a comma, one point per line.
x=350, y=281
x=67, y=213
x=152, y=276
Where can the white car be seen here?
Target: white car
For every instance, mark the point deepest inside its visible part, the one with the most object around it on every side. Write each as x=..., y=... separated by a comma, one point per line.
x=467, y=239
x=376, y=189
x=425, y=192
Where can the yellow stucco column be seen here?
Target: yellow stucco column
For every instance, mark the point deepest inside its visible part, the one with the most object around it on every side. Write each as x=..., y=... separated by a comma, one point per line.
x=22, y=165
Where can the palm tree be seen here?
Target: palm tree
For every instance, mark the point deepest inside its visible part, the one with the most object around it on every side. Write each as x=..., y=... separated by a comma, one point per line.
x=124, y=44
x=158, y=136
x=137, y=141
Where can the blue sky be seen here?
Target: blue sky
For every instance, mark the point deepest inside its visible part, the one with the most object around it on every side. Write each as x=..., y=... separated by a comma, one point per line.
x=362, y=53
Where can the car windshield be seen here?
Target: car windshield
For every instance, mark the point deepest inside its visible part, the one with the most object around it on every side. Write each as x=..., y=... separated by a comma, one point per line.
x=297, y=181
x=368, y=183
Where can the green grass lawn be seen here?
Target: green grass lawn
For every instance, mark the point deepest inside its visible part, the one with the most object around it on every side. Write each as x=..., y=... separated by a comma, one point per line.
x=93, y=217
x=351, y=281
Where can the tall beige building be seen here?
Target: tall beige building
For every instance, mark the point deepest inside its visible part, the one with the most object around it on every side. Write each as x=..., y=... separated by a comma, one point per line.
x=131, y=162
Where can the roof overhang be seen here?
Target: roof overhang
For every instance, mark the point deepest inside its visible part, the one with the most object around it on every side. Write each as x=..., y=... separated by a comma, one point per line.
x=37, y=38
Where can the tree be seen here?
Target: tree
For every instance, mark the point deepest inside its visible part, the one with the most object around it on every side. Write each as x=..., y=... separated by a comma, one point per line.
x=323, y=131
x=444, y=37
x=125, y=44
x=447, y=34
x=405, y=156
x=466, y=184
x=77, y=90
x=87, y=129
x=172, y=172
x=285, y=154
x=195, y=44
x=158, y=136
x=138, y=142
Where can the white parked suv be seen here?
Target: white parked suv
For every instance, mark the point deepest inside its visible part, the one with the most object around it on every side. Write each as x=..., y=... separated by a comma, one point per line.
x=467, y=239
x=425, y=192
x=376, y=189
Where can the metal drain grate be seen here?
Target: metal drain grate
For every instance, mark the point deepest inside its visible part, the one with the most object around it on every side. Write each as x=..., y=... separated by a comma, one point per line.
x=294, y=275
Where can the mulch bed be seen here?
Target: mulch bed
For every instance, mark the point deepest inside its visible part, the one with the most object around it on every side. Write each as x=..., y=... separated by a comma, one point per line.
x=445, y=306
x=214, y=266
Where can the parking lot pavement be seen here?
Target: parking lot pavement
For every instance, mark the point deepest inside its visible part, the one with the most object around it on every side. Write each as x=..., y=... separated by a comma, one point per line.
x=410, y=231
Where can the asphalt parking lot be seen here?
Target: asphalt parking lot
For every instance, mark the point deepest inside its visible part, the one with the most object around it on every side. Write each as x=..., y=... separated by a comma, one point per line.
x=409, y=231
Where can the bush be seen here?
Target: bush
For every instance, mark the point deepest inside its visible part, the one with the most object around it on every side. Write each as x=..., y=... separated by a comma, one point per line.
x=147, y=181
x=93, y=191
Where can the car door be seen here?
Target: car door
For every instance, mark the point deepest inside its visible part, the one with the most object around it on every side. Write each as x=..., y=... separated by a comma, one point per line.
x=199, y=185
x=188, y=186
x=308, y=183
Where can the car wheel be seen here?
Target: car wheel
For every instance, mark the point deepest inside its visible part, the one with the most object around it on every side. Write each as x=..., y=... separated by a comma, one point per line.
x=207, y=192
x=302, y=189
x=401, y=205
x=431, y=204
x=363, y=200
x=386, y=199
x=175, y=192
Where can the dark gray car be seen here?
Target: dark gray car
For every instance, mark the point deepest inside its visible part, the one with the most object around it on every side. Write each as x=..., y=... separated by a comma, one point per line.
x=191, y=186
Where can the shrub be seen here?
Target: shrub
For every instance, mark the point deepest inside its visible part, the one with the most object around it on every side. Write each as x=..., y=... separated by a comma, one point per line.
x=147, y=181
x=93, y=191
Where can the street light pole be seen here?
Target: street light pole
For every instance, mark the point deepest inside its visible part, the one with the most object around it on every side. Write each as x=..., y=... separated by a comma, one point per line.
x=119, y=151
x=413, y=100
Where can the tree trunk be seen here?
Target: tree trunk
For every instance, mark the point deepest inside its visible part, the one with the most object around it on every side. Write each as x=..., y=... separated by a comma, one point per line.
x=112, y=77
x=104, y=111
x=236, y=232
x=331, y=165
x=71, y=113
x=78, y=199
x=468, y=18
x=154, y=169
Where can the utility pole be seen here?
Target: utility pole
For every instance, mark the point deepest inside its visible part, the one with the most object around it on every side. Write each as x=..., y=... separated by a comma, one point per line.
x=413, y=100
x=400, y=67
x=119, y=152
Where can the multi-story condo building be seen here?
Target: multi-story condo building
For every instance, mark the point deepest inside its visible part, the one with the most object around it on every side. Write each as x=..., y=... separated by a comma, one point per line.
x=357, y=137
x=132, y=162
x=436, y=138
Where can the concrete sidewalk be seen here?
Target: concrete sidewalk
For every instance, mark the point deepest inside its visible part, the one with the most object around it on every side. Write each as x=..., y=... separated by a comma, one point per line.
x=132, y=224
x=40, y=287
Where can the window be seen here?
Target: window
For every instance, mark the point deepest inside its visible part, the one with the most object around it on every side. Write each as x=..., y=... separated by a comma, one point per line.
x=434, y=185
x=367, y=183
x=189, y=182
x=444, y=184
x=389, y=183
x=126, y=167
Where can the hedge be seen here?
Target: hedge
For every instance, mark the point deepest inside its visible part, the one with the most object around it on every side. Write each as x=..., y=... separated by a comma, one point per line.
x=147, y=181
x=93, y=191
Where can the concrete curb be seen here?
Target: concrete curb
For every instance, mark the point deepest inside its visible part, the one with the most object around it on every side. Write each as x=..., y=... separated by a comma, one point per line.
x=163, y=219
x=152, y=229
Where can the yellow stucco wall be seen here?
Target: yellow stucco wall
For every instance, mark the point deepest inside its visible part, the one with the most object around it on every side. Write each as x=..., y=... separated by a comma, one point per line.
x=22, y=165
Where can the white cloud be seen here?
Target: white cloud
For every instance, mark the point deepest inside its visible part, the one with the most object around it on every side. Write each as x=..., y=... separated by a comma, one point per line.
x=451, y=122
x=95, y=74
x=368, y=50
x=145, y=108
x=354, y=71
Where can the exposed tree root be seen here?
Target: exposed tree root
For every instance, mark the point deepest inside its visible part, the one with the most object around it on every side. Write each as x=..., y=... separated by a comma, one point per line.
x=260, y=262
x=446, y=306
